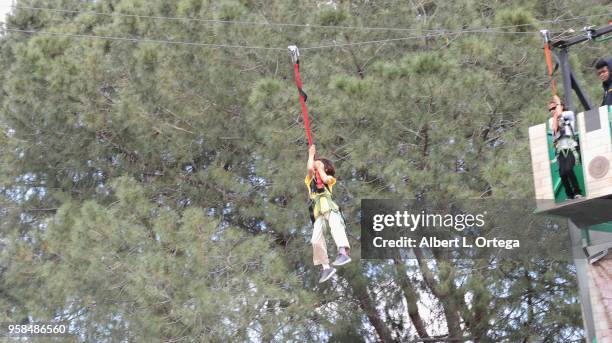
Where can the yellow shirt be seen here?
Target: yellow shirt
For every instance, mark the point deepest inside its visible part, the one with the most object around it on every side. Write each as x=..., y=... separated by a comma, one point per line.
x=323, y=202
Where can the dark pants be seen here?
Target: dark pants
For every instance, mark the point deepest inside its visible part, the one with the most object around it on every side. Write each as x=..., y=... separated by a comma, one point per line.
x=566, y=171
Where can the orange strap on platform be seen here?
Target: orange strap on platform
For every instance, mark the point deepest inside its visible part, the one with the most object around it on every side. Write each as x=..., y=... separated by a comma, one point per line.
x=548, y=55
x=553, y=82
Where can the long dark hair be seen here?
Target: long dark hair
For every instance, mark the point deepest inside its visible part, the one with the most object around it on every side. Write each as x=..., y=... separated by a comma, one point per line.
x=328, y=166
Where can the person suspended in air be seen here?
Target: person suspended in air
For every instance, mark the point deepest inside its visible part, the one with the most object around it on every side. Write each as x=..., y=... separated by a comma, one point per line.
x=564, y=139
x=325, y=213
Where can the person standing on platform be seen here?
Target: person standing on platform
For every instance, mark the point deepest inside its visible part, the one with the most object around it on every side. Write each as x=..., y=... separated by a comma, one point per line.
x=563, y=127
x=604, y=68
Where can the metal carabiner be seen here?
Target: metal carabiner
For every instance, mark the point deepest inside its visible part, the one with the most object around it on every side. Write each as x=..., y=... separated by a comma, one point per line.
x=295, y=53
x=589, y=31
x=546, y=35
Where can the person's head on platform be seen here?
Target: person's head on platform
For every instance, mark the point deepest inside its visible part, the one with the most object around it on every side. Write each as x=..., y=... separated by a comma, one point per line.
x=603, y=70
x=553, y=108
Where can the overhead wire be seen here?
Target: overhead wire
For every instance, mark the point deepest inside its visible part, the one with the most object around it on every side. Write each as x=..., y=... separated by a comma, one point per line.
x=429, y=35
x=214, y=21
x=242, y=22
x=145, y=40
x=432, y=33
x=215, y=45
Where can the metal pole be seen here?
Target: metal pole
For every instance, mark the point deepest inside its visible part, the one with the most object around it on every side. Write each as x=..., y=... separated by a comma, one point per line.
x=589, y=35
x=567, y=80
x=584, y=99
x=582, y=270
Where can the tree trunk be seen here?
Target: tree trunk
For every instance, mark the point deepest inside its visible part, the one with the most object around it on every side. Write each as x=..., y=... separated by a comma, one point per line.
x=411, y=299
x=359, y=285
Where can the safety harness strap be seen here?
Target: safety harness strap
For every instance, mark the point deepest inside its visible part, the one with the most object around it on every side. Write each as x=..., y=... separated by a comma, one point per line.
x=295, y=58
x=548, y=56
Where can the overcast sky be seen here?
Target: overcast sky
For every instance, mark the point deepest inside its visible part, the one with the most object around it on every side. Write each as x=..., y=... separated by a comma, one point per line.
x=5, y=7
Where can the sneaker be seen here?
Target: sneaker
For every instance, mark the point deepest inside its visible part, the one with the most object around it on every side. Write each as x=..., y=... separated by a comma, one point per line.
x=326, y=274
x=578, y=196
x=341, y=260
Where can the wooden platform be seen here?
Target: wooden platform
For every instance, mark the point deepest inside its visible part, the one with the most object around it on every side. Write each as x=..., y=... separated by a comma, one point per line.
x=583, y=212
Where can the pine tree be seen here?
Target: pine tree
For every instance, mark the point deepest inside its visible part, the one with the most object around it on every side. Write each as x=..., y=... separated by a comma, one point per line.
x=154, y=191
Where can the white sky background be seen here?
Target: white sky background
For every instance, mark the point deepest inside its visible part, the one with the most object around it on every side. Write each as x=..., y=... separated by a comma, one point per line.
x=5, y=7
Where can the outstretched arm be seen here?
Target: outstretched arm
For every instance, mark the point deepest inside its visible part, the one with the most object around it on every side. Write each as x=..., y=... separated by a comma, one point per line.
x=558, y=111
x=310, y=165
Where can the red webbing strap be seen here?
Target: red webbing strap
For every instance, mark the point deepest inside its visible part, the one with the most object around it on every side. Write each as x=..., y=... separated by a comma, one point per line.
x=298, y=83
x=547, y=54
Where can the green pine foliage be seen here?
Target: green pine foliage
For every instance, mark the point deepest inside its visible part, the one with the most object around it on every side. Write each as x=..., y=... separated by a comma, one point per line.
x=154, y=191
